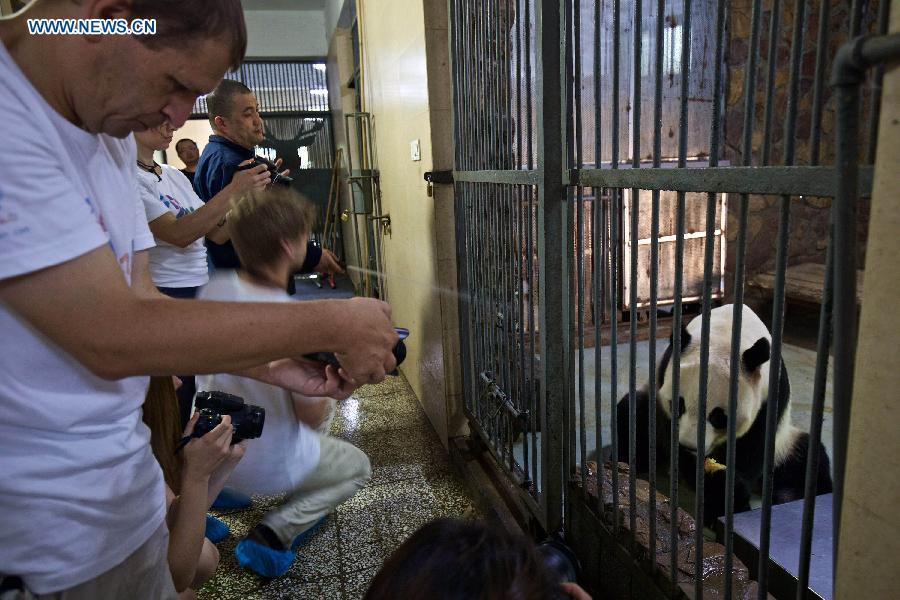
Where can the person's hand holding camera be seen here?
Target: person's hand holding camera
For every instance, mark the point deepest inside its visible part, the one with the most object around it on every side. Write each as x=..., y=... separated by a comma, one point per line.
x=247, y=179
x=203, y=455
x=367, y=341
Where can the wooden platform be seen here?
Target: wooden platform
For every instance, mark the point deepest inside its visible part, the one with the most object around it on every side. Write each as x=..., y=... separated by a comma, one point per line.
x=803, y=283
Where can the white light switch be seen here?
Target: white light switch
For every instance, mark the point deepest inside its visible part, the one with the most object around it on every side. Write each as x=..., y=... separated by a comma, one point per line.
x=414, y=153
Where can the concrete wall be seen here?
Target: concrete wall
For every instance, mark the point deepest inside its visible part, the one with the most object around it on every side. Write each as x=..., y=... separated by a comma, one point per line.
x=407, y=90
x=870, y=524
x=286, y=33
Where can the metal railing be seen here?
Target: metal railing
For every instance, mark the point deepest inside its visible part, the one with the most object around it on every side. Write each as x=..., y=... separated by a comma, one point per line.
x=550, y=204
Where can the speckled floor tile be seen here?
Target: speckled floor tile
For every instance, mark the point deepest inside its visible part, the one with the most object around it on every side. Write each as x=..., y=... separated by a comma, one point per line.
x=357, y=582
x=378, y=414
x=412, y=483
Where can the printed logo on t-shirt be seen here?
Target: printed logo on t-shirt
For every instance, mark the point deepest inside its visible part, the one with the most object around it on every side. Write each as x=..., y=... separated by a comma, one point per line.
x=175, y=206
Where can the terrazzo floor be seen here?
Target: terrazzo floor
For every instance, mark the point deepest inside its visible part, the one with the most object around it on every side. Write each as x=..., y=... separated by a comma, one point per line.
x=412, y=483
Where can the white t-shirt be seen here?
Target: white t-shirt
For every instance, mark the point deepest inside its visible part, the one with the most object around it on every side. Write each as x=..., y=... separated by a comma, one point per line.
x=288, y=450
x=79, y=487
x=171, y=266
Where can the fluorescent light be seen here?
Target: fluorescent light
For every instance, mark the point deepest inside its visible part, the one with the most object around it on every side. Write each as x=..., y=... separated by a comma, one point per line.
x=319, y=67
x=320, y=92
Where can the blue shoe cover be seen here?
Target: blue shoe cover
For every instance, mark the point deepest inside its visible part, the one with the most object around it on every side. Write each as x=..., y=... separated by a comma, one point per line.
x=306, y=534
x=230, y=499
x=216, y=529
x=263, y=560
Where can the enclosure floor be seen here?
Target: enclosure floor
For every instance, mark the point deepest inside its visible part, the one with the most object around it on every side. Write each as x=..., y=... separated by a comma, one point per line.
x=801, y=367
x=412, y=483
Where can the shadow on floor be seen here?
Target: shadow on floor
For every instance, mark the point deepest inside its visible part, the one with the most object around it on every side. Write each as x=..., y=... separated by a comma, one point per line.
x=412, y=483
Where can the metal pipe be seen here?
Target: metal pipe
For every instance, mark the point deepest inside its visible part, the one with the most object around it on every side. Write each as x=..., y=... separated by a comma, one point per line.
x=848, y=73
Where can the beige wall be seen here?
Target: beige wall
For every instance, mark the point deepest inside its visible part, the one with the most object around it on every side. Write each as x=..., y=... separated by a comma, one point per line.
x=195, y=129
x=869, y=551
x=407, y=90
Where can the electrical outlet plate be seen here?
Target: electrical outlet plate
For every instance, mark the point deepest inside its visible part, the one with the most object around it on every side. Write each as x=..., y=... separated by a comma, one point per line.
x=414, y=153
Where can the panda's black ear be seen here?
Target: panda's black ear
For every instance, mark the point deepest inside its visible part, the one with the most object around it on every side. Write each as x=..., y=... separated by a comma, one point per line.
x=756, y=355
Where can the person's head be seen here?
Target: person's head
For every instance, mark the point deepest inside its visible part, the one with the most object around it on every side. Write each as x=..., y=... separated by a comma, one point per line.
x=117, y=84
x=155, y=138
x=160, y=414
x=449, y=559
x=234, y=113
x=269, y=228
x=187, y=151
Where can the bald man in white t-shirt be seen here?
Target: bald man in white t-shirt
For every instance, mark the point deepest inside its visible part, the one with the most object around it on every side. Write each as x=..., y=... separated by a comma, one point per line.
x=81, y=497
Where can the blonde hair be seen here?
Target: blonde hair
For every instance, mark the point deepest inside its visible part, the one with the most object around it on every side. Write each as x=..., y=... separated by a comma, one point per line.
x=261, y=219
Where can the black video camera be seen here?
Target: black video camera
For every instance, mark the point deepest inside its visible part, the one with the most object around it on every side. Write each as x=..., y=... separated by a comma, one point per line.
x=399, y=351
x=247, y=420
x=273, y=170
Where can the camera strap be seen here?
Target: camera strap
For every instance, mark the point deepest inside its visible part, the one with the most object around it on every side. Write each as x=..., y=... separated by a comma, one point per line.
x=182, y=443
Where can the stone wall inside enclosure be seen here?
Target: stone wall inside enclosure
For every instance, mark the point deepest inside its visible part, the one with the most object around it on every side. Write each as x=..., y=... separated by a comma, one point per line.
x=809, y=216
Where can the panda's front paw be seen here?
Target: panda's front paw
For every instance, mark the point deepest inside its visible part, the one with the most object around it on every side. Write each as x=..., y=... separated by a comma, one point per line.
x=715, y=495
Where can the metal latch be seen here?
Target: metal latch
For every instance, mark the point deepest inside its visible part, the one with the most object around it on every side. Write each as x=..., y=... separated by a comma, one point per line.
x=433, y=177
x=439, y=176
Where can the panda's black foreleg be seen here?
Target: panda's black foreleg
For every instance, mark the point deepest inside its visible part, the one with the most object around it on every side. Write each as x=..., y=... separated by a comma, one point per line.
x=715, y=488
x=790, y=475
x=642, y=430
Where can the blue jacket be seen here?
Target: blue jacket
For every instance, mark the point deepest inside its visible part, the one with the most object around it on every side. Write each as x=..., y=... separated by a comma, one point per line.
x=215, y=169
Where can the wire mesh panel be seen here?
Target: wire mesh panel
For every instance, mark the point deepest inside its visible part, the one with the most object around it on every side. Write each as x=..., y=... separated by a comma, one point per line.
x=628, y=172
x=281, y=86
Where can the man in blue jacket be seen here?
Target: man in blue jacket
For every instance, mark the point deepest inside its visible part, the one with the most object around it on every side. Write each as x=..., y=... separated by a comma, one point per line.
x=234, y=117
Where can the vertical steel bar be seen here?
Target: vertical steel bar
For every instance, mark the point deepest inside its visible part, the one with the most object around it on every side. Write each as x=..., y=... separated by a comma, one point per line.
x=552, y=252
x=506, y=119
x=815, y=134
x=571, y=245
x=579, y=217
x=877, y=84
x=772, y=404
x=778, y=301
x=598, y=258
x=772, y=59
x=857, y=8
x=739, y=268
x=537, y=404
x=654, y=273
x=815, y=426
x=614, y=266
x=634, y=207
x=524, y=394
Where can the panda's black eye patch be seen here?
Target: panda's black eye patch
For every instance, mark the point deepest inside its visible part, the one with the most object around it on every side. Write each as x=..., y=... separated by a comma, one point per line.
x=718, y=418
x=681, y=407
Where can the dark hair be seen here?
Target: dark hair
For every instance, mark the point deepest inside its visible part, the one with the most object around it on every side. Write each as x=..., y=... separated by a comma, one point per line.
x=449, y=559
x=180, y=20
x=220, y=101
x=160, y=414
x=178, y=143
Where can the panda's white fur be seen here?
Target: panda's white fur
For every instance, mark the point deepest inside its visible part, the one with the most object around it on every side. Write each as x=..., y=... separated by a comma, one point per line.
x=752, y=387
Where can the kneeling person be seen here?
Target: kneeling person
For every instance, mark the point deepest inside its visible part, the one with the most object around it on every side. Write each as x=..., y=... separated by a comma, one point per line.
x=269, y=230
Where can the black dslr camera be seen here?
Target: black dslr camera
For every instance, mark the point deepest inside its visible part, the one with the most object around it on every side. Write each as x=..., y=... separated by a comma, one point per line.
x=246, y=419
x=273, y=170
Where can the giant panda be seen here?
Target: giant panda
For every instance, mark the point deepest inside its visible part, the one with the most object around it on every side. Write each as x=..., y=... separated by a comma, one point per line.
x=791, y=444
